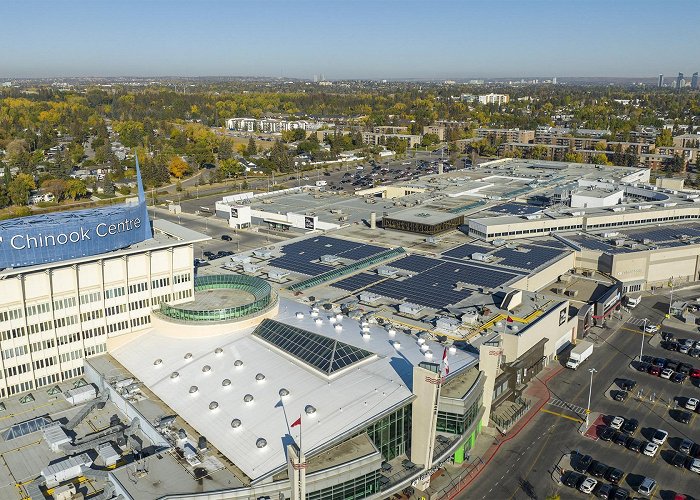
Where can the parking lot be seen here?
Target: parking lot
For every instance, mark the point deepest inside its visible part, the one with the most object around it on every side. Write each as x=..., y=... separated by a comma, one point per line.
x=555, y=435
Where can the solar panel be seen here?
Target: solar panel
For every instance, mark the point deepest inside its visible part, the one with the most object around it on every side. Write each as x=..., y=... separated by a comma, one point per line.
x=415, y=263
x=300, y=266
x=466, y=250
x=301, y=256
x=324, y=354
x=532, y=258
x=515, y=209
x=357, y=282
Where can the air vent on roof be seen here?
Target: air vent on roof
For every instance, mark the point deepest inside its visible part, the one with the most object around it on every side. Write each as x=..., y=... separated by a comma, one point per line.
x=174, y=375
x=238, y=362
x=532, y=216
x=218, y=350
x=283, y=392
x=260, y=377
x=188, y=355
x=669, y=204
x=309, y=409
x=618, y=209
x=226, y=382
x=261, y=443
x=236, y=423
x=158, y=362
x=610, y=235
x=248, y=398
x=193, y=389
x=213, y=405
x=644, y=207
x=206, y=368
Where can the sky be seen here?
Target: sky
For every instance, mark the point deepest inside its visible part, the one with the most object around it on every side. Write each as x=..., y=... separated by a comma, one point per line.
x=372, y=39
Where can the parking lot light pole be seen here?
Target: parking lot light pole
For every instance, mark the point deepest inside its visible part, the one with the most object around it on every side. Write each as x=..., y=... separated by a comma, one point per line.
x=590, y=391
x=644, y=330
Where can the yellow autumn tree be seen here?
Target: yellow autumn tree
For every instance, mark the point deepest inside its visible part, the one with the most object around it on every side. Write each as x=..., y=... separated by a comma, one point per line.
x=178, y=167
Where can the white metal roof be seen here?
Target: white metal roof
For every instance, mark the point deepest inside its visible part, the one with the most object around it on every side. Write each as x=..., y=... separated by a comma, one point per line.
x=343, y=404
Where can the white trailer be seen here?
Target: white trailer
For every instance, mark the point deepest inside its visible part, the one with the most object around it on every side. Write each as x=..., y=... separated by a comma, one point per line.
x=579, y=354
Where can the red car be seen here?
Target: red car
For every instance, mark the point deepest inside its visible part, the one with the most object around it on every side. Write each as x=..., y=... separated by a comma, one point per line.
x=695, y=373
x=655, y=370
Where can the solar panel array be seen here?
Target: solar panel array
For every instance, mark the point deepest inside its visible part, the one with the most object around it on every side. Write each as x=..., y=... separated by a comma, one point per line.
x=590, y=243
x=301, y=257
x=324, y=354
x=415, y=263
x=530, y=260
x=515, y=209
x=434, y=287
x=466, y=250
x=357, y=282
x=661, y=234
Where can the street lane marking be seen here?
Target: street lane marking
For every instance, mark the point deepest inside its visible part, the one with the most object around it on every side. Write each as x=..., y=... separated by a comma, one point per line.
x=562, y=415
x=636, y=331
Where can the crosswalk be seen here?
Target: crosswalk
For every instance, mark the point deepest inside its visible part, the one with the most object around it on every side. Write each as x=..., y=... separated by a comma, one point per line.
x=567, y=406
x=636, y=321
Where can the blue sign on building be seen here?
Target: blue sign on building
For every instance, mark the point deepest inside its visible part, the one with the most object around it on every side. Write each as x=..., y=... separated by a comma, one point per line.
x=40, y=239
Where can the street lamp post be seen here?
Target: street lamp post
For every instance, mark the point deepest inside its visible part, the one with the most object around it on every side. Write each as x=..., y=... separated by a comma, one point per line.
x=641, y=349
x=670, y=299
x=590, y=391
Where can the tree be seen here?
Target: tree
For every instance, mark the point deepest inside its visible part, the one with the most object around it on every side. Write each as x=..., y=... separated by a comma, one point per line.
x=107, y=185
x=665, y=138
x=430, y=139
x=252, y=149
x=75, y=188
x=280, y=157
x=77, y=152
x=600, y=159
x=19, y=189
x=178, y=167
x=230, y=168
x=574, y=157
x=225, y=150
x=57, y=187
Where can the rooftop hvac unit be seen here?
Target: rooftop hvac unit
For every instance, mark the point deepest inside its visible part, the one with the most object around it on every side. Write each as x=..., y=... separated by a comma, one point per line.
x=610, y=235
x=560, y=290
x=618, y=243
x=646, y=241
x=571, y=293
x=588, y=273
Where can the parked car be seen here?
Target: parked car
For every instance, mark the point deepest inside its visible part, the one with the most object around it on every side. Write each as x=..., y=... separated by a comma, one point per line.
x=650, y=449
x=667, y=373
x=654, y=370
x=603, y=490
x=691, y=404
x=620, y=395
x=678, y=378
x=606, y=433
x=694, y=465
x=651, y=328
x=620, y=494
x=226, y=237
x=598, y=469
x=627, y=384
x=685, y=368
x=630, y=426
x=659, y=436
x=617, y=422
x=684, y=417
x=647, y=486
x=635, y=445
x=582, y=463
x=587, y=485
x=643, y=367
x=695, y=373
x=572, y=479
x=621, y=438
x=660, y=362
x=614, y=475
x=678, y=459
x=685, y=446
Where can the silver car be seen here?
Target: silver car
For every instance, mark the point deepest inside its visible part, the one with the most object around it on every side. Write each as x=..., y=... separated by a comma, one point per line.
x=647, y=487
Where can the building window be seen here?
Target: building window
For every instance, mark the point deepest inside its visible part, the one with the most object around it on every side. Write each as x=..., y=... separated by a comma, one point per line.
x=359, y=487
x=392, y=434
x=458, y=424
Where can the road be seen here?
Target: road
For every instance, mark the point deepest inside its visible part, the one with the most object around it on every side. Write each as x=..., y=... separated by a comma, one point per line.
x=522, y=468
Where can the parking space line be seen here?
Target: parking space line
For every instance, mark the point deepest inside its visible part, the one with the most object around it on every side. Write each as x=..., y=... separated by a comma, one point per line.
x=562, y=415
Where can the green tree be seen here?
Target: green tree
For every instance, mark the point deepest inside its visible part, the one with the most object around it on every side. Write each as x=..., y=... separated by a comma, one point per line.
x=252, y=149
x=75, y=188
x=225, y=150
x=19, y=189
x=574, y=157
x=230, y=168
x=57, y=187
x=665, y=138
x=108, y=185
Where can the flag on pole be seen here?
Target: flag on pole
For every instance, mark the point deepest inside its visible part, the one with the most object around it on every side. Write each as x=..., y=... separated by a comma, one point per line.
x=445, y=363
x=296, y=422
x=509, y=319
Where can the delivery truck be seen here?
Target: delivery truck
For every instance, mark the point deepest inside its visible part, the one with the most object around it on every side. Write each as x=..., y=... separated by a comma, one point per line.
x=579, y=354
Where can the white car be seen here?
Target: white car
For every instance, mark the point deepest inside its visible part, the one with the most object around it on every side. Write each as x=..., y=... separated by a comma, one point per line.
x=617, y=422
x=588, y=485
x=691, y=404
x=666, y=373
x=695, y=465
x=650, y=449
x=659, y=437
x=651, y=328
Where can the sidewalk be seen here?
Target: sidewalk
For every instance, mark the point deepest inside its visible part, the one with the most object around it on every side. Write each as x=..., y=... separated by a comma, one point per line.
x=490, y=441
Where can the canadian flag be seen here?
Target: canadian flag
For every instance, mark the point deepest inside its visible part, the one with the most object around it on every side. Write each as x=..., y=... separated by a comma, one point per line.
x=445, y=363
x=296, y=422
x=509, y=319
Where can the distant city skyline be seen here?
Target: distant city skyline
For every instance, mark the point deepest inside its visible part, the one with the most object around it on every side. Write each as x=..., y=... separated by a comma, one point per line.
x=353, y=39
